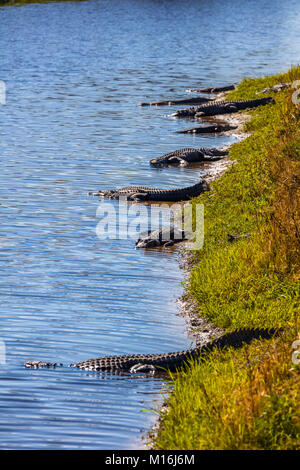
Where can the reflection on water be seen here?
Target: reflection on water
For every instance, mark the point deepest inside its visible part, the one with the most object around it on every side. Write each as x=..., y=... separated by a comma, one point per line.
x=74, y=73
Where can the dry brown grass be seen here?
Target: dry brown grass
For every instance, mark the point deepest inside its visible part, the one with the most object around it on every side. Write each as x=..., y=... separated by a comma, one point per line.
x=283, y=232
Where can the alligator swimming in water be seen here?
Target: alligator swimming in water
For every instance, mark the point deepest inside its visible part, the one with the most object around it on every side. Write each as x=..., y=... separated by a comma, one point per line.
x=169, y=361
x=194, y=100
x=189, y=155
x=162, y=237
x=222, y=107
x=208, y=129
x=142, y=193
x=219, y=89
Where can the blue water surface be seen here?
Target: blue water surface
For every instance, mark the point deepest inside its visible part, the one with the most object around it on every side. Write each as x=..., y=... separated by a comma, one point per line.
x=74, y=73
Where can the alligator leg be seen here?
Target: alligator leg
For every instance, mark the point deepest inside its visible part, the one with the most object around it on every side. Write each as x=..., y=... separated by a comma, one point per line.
x=136, y=196
x=176, y=160
x=179, y=161
x=143, y=368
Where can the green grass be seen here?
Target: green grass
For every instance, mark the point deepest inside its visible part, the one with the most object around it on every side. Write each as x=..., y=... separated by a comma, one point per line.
x=245, y=399
x=252, y=282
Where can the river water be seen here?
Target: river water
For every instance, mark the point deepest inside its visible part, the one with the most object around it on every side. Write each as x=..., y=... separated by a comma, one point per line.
x=74, y=73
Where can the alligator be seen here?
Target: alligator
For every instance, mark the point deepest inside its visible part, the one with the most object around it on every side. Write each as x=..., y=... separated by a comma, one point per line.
x=208, y=129
x=222, y=107
x=142, y=193
x=160, y=362
x=276, y=88
x=189, y=155
x=233, y=237
x=219, y=89
x=162, y=237
x=195, y=100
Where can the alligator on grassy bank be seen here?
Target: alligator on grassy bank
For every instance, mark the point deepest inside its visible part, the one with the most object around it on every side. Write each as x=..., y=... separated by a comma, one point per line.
x=276, y=88
x=233, y=237
x=222, y=107
x=142, y=193
x=183, y=157
x=219, y=89
x=215, y=128
x=195, y=100
x=169, y=361
x=162, y=237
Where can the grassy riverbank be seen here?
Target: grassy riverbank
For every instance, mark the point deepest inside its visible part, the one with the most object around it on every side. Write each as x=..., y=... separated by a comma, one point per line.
x=247, y=398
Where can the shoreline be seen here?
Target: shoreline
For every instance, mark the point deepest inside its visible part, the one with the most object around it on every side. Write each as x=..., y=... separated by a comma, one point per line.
x=221, y=402
x=200, y=328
